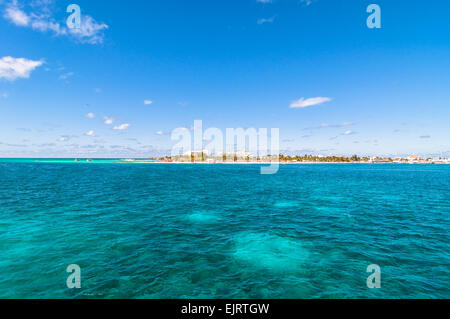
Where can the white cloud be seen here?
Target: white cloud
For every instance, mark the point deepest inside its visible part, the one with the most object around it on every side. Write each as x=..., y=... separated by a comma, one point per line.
x=148, y=102
x=66, y=76
x=5, y=95
x=14, y=68
x=121, y=127
x=44, y=25
x=349, y=132
x=302, y=103
x=90, y=133
x=90, y=31
x=40, y=19
x=264, y=1
x=108, y=120
x=16, y=16
x=90, y=115
x=65, y=138
x=326, y=125
x=263, y=20
x=159, y=133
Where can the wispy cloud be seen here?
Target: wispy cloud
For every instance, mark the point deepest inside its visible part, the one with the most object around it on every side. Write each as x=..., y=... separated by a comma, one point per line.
x=30, y=130
x=425, y=136
x=65, y=76
x=90, y=115
x=16, y=16
x=13, y=145
x=14, y=68
x=65, y=138
x=265, y=20
x=325, y=125
x=90, y=133
x=349, y=132
x=302, y=103
x=148, y=102
x=90, y=31
x=121, y=127
x=306, y=2
x=39, y=18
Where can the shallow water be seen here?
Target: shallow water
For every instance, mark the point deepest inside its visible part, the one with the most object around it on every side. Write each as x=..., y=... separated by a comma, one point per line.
x=223, y=231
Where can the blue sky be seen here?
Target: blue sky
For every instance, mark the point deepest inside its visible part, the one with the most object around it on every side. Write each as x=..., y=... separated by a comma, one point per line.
x=235, y=63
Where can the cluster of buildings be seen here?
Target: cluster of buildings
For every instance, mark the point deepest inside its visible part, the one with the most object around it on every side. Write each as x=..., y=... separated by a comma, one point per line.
x=247, y=157
x=413, y=159
x=221, y=157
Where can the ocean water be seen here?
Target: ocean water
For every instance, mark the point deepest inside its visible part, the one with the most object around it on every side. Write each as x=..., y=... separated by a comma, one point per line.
x=223, y=231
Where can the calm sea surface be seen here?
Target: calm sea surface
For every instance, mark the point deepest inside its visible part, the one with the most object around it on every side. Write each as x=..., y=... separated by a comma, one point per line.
x=223, y=231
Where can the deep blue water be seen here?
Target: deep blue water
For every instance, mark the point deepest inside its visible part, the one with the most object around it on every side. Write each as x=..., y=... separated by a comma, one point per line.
x=223, y=231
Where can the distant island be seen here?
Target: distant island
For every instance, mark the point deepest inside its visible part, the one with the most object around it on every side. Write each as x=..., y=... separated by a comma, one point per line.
x=244, y=157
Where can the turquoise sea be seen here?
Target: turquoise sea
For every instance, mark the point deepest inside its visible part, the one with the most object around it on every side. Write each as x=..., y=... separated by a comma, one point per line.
x=223, y=231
